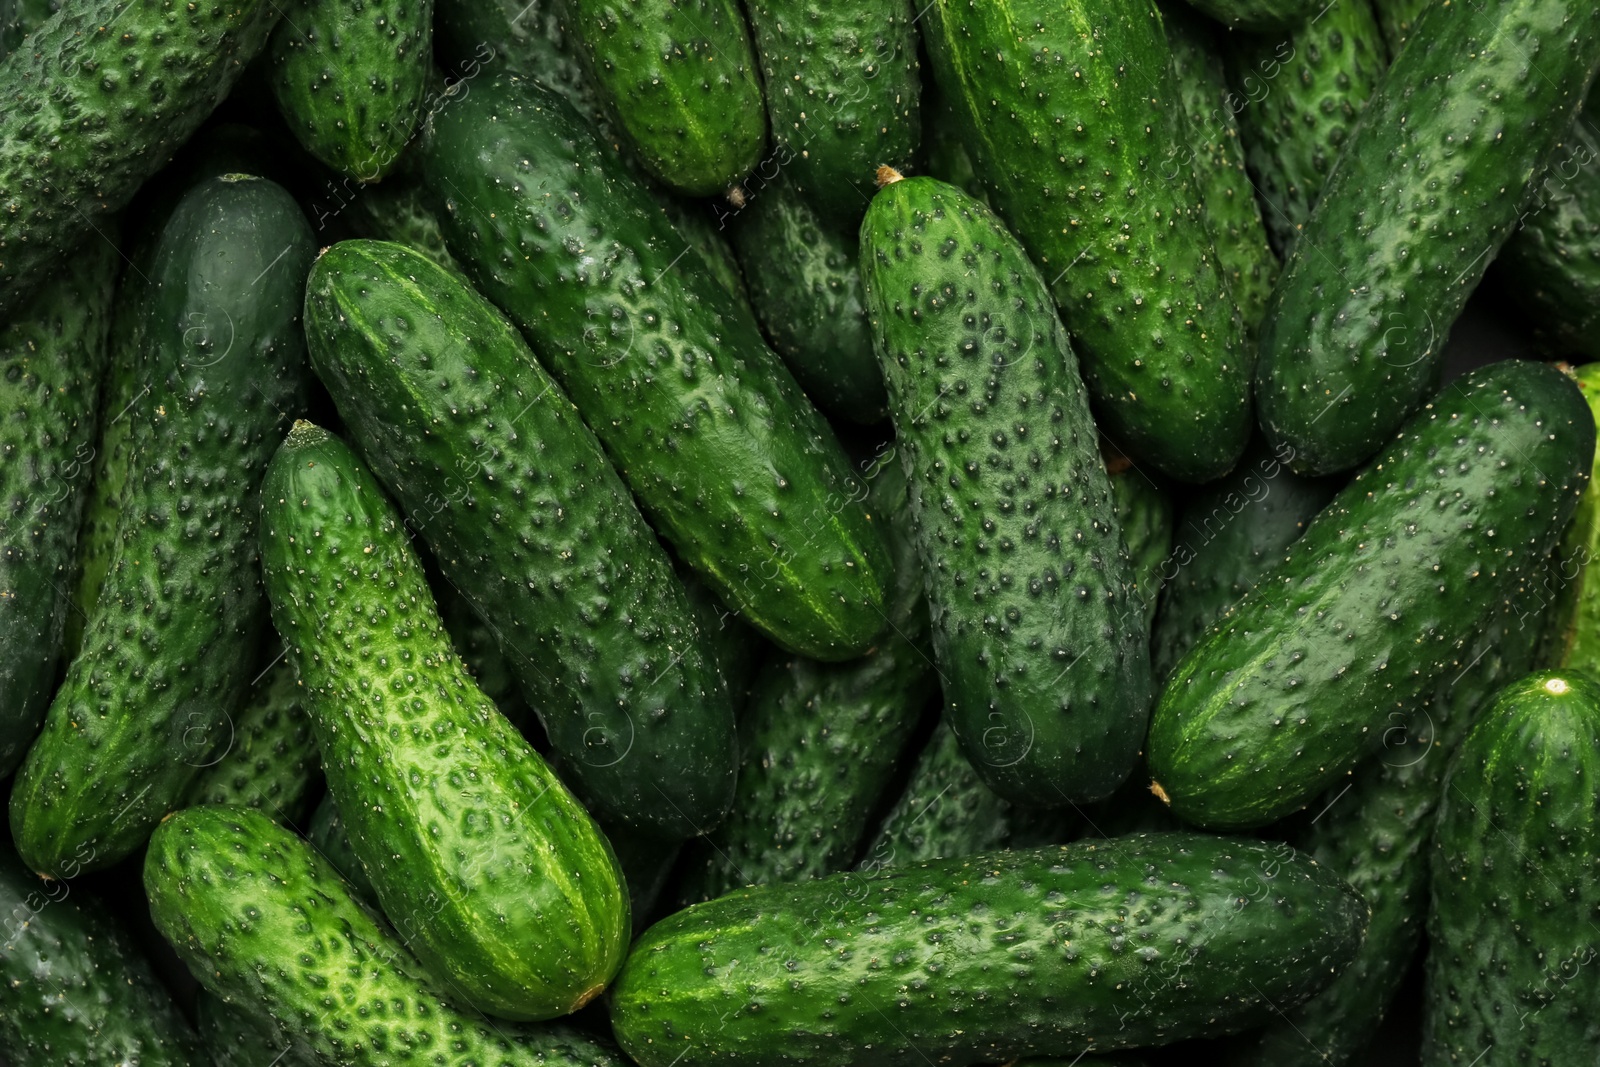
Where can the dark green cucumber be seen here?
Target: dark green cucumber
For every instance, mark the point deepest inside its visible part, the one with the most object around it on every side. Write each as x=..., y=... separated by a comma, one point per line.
x=526, y=36
x=1069, y=136
x=805, y=287
x=114, y=87
x=328, y=836
x=169, y=646
x=724, y=453
x=1298, y=97
x=396, y=210
x=1385, y=262
x=680, y=80
x=1260, y=15
x=821, y=741
x=1136, y=941
x=74, y=988
x=265, y=923
x=492, y=467
x=1515, y=884
x=1037, y=629
x=1568, y=595
x=52, y=360
x=1145, y=517
x=1398, y=18
x=1375, y=603
x=1230, y=535
x=476, y=644
x=947, y=155
x=491, y=872
x=235, y=1038
x=1215, y=152
x=736, y=648
x=647, y=861
x=843, y=94
x=700, y=229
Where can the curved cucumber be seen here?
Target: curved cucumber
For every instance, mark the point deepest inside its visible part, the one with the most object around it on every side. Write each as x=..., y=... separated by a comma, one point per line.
x=724, y=453
x=1260, y=14
x=235, y=1038
x=1568, y=592
x=1037, y=629
x=1374, y=604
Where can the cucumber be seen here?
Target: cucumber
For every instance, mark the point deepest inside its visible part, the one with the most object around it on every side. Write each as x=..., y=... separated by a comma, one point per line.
x=1361, y=313
x=1037, y=629
x=170, y=643
x=947, y=155
x=1567, y=595
x=494, y=470
x=526, y=36
x=694, y=225
x=313, y=960
x=326, y=833
x=1298, y=98
x=679, y=79
x=52, y=360
x=1513, y=888
x=1145, y=517
x=74, y=988
x=805, y=287
x=843, y=96
x=479, y=649
x=1257, y=15
x=1229, y=536
x=1215, y=152
x=647, y=862
x=990, y=957
x=397, y=210
x=235, y=1038
x=821, y=741
x=489, y=869
x=1060, y=130
x=727, y=458
x=736, y=648
x=114, y=87
x=1374, y=604
x=1398, y=18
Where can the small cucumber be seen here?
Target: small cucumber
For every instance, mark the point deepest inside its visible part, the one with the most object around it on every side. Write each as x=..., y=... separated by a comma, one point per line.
x=235, y=1038
x=328, y=836
x=1258, y=15
x=1145, y=517
x=1568, y=592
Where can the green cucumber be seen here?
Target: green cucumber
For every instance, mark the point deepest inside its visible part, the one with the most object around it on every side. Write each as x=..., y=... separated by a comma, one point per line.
x=843, y=95
x=1104, y=945
x=1145, y=517
x=1258, y=15
x=1068, y=137
x=168, y=649
x=1298, y=98
x=947, y=155
x=1385, y=264
x=266, y=924
x=647, y=861
x=680, y=80
x=397, y=210
x=328, y=836
x=805, y=287
x=476, y=644
x=1037, y=629
x=526, y=36
x=1374, y=604
x=694, y=224
x=1398, y=18
x=1515, y=883
x=1568, y=595
x=52, y=360
x=235, y=1038
x=74, y=988
x=114, y=87
x=489, y=869
x=492, y=467
x=724, y=453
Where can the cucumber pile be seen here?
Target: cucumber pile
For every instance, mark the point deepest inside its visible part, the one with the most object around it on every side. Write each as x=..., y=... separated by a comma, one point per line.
x=799, y=533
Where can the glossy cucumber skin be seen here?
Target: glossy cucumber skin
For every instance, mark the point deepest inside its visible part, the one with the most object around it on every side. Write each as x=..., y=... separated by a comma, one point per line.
x=1037, y=629
x=115, y=86
x=681, y=81
x=1343, y=361
x=527, y=36
x=1139, y=287
x=1375, y=602
x=328, y=836
x=725, y=455
x=1145, y=517
x=858, y=969
x=1260, y=15
x=844, y=94
x=52, y=360
x=169, y=646
x=235, y=1038
x=489, y=869
x=1568, y=593
x=265, y=923
x=1298, y=97
x=1516, y=866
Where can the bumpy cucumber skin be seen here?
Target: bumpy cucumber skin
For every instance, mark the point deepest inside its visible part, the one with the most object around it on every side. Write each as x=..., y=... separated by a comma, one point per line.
x=1229, y=535
x=1374, y=604
x=75, y=990
x=1567, y=592
x=844, y=95
x=1298, y=97
x=947, y=155
x=1145, y=517
x=263, y=922
x=479, y=649
x=170, y=643
x=694, y=224
x=1385, y=262
x=1259, y=15
x=821, y=741
x=518, y=907
x=1215, y=152
x=1126, y=248
x=52, y=359
x=886, y=969
x=1037, y=629
x=1515, y=883
x=114, y=86
x=1398, y=18
x=805, y=286
x=493, y=468
x=235, y=1038
x=525, y=35
x=725, y=454
x=397, y=210
x=945, y=812
x=328, y=836
x=681, y=82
